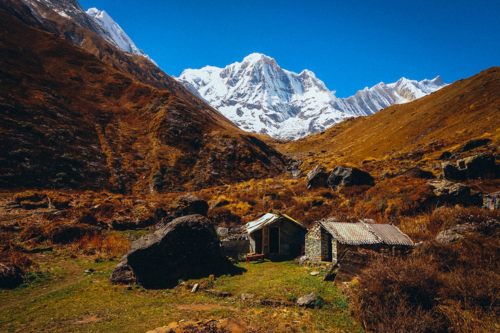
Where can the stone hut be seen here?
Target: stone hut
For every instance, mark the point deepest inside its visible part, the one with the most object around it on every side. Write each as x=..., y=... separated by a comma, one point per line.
x=276, y=235
x=328, y=239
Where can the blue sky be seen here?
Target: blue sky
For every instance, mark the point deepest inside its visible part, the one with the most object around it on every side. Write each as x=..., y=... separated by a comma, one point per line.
x=348, y=44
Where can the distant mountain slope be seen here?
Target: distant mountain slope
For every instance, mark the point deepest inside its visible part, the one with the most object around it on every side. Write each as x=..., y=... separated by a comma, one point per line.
x=96, y=117
x=260, y=96
x=418, y=131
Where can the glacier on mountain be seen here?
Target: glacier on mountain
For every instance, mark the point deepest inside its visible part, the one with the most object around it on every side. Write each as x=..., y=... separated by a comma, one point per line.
x=260, y=96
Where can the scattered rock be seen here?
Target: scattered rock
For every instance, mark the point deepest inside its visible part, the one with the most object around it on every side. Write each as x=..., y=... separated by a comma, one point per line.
x=485, y=227
x=451, y=193
x=314, y=273
x=331, y=273
x=123, y=274
x=309, y=301
x=247, y=296
x=454, y=234
x=294, y=168
x=302, y=260
x=474, y=143
x=187, y=247
x=11, y=276
x=89, y=271
x=317, y=177
x=344, y=176
x=210, y=326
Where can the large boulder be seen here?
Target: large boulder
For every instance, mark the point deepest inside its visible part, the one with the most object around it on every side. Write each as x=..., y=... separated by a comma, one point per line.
x=473, y=167
x=185, y=248
x=344, y=176
x=317, y=177
x=479, y=166
x=190, y=204
x=451, y=193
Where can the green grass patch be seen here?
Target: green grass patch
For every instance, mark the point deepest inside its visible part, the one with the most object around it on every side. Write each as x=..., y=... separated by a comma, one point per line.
x=63, y=298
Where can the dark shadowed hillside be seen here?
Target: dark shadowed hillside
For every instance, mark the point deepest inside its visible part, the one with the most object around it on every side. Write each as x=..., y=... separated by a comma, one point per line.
x=72, y=120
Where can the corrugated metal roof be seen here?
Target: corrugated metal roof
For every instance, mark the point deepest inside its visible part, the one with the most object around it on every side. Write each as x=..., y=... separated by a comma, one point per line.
x=266, y=219
x=350, y=233
x=363, y=233
x=390, y=234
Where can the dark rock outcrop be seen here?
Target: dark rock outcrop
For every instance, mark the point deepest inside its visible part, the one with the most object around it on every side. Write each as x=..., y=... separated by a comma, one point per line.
x=452, y=172
x=317, y=177
x=344, y=176
x=473, y=167
x=11, y=276
x=479, y=166
x=185, y=248
x=474, y=143
x=451, y=193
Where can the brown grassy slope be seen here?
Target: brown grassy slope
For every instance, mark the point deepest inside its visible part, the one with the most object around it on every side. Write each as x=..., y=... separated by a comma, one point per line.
x=71, y=120
x=464, y=110
x=81, y=31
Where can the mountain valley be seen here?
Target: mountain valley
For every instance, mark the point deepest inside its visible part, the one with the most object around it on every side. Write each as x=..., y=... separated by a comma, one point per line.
x=103, y=157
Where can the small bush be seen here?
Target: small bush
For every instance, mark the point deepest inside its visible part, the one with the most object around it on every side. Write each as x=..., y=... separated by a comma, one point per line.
x=438, y=288
x=111, y=245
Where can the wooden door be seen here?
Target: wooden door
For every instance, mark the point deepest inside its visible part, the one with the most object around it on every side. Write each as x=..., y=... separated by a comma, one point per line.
x=274, y=240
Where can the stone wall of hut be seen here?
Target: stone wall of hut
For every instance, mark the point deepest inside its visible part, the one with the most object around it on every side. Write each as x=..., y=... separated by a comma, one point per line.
x=313, y=243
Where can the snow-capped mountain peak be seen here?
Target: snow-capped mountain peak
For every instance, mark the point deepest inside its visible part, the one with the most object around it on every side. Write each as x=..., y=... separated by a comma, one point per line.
x=260, y=96
x=113, y=32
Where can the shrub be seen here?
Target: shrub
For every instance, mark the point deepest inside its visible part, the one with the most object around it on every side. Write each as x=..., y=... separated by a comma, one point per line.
x=393, y=297
x=111, y=245
x=438, y=288
x=446, y=217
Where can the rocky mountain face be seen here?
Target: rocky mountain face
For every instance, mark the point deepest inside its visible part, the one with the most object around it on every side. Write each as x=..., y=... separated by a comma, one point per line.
x=260, y=96
x=78, y=112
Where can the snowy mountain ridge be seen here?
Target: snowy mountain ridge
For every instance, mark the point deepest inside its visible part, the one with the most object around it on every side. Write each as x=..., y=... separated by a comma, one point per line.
x=260, y=96
x=113, y=32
